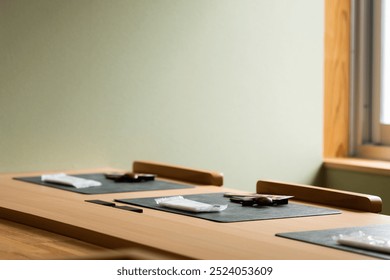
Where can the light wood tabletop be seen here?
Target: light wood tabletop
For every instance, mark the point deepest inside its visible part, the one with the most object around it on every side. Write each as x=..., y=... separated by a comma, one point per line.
x=178, y=236
x=21, y=242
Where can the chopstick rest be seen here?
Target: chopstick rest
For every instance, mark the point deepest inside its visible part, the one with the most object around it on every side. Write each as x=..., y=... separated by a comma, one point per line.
x=130, y=177
x=258, y=199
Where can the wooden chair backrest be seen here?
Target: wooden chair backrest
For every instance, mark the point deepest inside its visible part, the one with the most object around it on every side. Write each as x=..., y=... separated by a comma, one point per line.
x=327, y=196
x=196, y=176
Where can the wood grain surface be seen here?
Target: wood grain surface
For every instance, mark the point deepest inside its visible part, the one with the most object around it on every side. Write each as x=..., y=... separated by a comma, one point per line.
x=337, y=78
x=68, y=214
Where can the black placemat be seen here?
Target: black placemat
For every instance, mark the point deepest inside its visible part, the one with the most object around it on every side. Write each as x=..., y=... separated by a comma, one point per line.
x=109, y=186
x=235, y=212
x=328, y=238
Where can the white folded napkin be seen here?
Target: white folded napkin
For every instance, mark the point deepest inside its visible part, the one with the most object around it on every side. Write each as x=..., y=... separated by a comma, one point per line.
x=179, y=202
x=366, y=241
x=62, y=178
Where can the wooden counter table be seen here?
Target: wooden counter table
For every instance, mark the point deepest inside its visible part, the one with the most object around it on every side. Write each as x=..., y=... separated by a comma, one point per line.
x=166, y=234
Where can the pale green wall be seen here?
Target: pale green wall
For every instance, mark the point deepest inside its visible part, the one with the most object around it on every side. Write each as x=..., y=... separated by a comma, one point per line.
x=227, y=85
x=361, y=182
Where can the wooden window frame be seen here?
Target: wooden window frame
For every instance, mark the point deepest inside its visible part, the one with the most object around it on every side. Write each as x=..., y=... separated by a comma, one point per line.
x=337, y=113
x=336, y=80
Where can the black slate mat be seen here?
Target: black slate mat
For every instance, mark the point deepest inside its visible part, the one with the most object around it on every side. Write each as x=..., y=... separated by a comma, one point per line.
x=109, y=186
x=328, y=238
x=235, y=212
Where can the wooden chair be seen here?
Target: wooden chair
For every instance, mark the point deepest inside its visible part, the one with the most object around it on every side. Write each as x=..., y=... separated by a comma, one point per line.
x=327, y=196
x=196, y=176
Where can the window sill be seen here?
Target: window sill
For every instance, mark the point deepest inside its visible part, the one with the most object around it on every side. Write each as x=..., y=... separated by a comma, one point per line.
x=359, y=165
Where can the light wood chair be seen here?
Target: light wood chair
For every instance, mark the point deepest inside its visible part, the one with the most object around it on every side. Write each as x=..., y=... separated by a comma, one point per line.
x=327, y=196
x=180, y=173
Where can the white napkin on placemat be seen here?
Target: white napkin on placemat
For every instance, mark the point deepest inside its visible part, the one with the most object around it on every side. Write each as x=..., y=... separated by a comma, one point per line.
x=179, y=202
x=62, y=178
